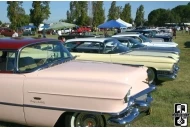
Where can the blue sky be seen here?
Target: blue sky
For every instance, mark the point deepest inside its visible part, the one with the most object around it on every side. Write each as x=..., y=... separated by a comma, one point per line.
x=59, y=8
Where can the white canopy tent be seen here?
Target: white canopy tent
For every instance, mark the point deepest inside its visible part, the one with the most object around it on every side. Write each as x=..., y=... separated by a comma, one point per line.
x=124, y=23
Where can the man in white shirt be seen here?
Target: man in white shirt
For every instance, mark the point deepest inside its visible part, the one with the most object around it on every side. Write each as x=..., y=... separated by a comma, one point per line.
x=59, y=33
x=15, y=34
x=187, y=29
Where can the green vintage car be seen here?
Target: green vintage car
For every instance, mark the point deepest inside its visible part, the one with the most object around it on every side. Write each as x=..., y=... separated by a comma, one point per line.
x=160, y=67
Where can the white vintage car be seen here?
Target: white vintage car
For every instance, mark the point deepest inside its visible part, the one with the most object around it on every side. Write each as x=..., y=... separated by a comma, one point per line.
x=144, y=40
x=41, y=84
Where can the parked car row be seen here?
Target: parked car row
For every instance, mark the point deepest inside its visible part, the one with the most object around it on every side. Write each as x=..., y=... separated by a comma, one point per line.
x=167, y=37
x=85, y=82
x=162, y=65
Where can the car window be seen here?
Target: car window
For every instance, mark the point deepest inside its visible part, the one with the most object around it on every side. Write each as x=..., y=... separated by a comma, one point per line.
x=85, y=47
x=124, y=42
x=114, y=46
x=138, y=39
x=145, y=39
x=70, y=45
x=34, y=56
x=7, y=60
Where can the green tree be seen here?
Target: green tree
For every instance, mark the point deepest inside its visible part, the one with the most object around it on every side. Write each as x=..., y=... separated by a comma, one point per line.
x=160, y=16
x=183, y=12
x=3, y=25
x=112, y=13
x=1, y=22
x=73, y=12
x=68, y=17
x=16, y=14
x=24, y=19
x=40, y=11
x=98, y=13
x=82, y=8
x=118, y=11
x=78, y=13
x=139, y=19
x=126, y=13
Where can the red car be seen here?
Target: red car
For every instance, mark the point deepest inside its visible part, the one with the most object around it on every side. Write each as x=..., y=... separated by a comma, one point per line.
x=8, y=32
x=81, y=29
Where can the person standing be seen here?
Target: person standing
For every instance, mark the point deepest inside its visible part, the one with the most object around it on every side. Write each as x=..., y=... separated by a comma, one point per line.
x=174, y=32
x=62, y=39
x=44, y=33
x=15, y=34
x=187, y=30
x=59, y=32
x=182, y=29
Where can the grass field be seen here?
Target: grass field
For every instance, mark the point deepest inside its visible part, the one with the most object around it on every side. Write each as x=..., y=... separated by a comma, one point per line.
x=168, y=93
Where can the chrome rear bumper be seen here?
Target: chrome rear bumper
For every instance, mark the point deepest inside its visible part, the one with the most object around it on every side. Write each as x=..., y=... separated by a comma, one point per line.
x=135, y=109
x=169, y=76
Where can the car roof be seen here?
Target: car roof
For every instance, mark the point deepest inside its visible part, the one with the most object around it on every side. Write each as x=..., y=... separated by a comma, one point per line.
x=123, y=38
x=89, y=39
x=17, y=43
x=125, y=34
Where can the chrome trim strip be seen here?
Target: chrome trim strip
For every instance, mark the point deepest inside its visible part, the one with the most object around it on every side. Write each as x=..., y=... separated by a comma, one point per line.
x=50, y=108
x=82, y=96
x=11, y=104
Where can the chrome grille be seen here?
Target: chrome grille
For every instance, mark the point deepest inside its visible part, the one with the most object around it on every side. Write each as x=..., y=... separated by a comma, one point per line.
x=164, y=72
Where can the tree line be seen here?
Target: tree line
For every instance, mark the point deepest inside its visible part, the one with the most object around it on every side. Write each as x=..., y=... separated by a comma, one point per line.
x=78, y=14
x=180, y=14
x=38, y=13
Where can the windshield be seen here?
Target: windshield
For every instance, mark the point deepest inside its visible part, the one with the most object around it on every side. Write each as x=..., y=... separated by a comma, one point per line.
x=114, y=46
x=145, y=39
x=36, y=56
x=135, y=43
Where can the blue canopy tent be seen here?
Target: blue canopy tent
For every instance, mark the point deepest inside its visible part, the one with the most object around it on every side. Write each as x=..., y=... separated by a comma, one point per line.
x=111, y=24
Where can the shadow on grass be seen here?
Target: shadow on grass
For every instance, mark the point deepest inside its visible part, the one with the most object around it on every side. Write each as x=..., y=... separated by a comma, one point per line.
x=187, y=44
x=8, y=124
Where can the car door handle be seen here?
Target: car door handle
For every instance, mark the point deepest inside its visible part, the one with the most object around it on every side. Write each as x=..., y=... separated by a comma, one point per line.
x=37, y=98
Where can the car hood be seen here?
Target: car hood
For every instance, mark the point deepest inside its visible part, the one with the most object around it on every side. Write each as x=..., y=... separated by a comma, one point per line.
x=163, y=36
x=96, y=79
x=161, y=44
x=170, y=43
x=154, y=54
x=159, y=49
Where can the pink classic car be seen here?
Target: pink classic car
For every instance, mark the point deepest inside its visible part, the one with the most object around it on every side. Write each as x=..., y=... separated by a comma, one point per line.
x=41, y=84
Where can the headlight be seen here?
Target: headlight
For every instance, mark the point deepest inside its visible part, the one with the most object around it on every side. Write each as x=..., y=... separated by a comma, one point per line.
x=174, y=67
x=177, y=53
x=126, y=99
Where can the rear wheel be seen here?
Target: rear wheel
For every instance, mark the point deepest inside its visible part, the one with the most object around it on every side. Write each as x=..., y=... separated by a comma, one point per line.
x=85, y=120
x=151, y=75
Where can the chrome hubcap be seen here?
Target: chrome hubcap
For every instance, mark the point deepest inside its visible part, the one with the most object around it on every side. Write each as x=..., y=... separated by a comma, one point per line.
x=89, y=120
x=151, y=75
